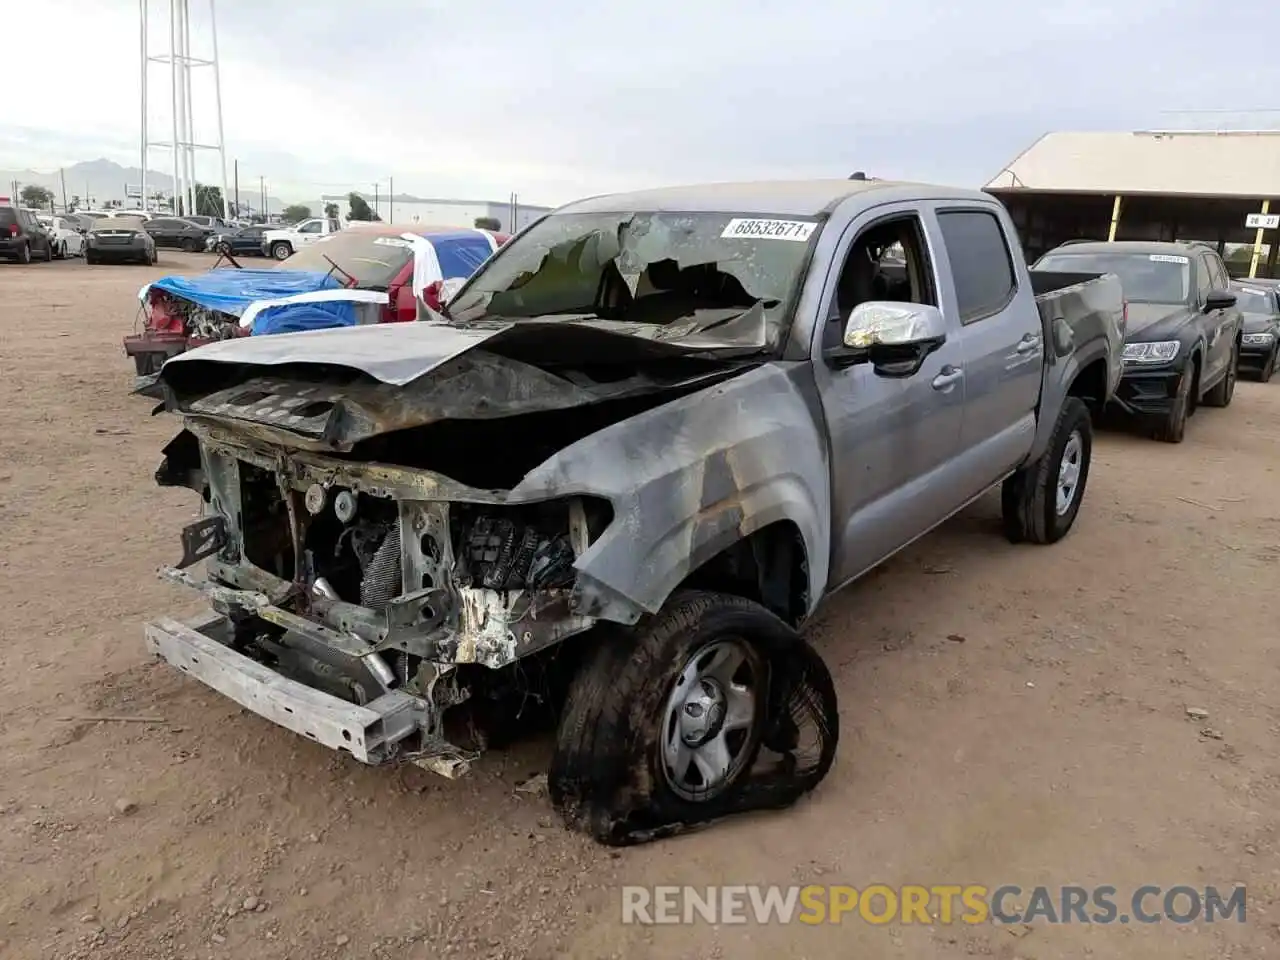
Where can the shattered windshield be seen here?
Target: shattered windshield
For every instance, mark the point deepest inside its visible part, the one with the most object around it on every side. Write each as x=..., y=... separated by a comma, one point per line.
x=660, y=275
x=373, y=259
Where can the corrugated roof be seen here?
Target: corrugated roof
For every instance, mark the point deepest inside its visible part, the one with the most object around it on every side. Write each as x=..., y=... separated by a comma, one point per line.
x=1230, y=163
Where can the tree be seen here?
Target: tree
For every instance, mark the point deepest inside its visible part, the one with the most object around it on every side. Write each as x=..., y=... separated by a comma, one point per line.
x=295, y=212
x=488, y=223
x=34, y=195
x=331, y=211
x=360, y=209
x=208, y=200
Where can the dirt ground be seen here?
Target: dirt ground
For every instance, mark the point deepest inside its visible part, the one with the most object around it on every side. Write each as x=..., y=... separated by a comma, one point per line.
x=1009, y=715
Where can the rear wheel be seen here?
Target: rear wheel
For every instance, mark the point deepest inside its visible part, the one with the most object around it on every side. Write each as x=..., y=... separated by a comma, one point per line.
x=1040, y=502
x=24, y=253
x=190, y=246
x=1220, y=393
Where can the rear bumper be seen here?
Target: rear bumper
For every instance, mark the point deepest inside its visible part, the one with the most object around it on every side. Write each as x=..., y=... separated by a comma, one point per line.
x=1147, y=393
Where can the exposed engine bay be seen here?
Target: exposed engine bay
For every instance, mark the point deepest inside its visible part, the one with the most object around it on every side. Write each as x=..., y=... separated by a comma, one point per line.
x=164, y=313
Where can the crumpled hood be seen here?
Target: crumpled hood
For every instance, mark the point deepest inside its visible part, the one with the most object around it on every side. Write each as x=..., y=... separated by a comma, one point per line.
x=1157, y=321
x=398, y=353
x=330, y=389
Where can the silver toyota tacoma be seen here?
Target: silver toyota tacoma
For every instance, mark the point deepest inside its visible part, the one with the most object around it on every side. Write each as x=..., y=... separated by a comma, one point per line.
x=612, y=481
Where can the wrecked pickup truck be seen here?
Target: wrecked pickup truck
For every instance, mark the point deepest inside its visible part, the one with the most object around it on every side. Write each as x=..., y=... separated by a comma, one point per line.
x=644, y=442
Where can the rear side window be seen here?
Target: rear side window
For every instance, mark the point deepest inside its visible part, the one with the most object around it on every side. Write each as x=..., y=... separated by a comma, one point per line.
x=981, y=265
x=7, y=217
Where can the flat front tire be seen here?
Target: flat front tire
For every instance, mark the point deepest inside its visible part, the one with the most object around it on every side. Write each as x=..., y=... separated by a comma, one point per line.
x=1040, y=502
x=663, y=722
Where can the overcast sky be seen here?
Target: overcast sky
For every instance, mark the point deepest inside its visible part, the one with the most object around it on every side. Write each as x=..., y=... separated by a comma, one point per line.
x=557, y=99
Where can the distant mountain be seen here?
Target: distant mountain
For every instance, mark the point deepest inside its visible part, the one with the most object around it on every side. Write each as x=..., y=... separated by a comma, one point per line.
x=96, y=182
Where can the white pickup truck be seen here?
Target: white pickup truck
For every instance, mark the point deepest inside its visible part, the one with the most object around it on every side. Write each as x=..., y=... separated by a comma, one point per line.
x=285, y=242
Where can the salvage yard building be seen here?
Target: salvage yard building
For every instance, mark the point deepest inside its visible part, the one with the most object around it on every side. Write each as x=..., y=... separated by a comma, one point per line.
x=1221, y=187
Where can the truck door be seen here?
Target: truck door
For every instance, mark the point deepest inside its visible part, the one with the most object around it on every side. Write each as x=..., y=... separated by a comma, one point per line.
x=308, y=232
x=1002, y=340
x=889, y=435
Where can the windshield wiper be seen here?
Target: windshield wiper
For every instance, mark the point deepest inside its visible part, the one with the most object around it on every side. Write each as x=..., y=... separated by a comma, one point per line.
x=354, y=281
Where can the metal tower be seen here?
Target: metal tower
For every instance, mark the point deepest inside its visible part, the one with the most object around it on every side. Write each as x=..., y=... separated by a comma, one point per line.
x=182, y=144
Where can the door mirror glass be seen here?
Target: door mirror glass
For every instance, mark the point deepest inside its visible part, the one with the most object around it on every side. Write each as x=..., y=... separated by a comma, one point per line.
x=1219, y=300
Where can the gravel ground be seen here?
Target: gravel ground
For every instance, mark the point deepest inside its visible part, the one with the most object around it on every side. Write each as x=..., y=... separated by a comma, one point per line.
x=1009, y=715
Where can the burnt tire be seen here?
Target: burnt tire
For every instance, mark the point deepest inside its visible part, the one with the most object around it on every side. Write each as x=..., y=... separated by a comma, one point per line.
x=1220, y=394
x=1173, y=428
x=610, y=774
x=1032, y=504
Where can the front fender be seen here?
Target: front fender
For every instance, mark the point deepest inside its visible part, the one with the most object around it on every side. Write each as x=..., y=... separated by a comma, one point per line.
x=689, y=478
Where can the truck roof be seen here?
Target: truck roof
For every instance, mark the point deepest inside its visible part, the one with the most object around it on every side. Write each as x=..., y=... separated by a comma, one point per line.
x=802, y=198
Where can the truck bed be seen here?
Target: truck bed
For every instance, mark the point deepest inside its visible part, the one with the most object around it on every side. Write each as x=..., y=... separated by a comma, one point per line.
x=1083, y=305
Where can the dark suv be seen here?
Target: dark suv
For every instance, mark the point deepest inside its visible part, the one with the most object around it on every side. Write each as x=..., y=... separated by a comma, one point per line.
x=1183, y=337
x=22, y=237
x=175, y=232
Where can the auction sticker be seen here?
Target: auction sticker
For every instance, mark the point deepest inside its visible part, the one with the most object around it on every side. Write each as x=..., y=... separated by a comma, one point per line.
x=744, y=229
x=1167, y=258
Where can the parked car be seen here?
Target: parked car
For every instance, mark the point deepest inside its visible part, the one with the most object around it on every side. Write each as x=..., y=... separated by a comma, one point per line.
x=213, y=223
x=22, y=237
x=376, y=265
x=67, y=236
x=135, y=214
x=81, y=221
x=240, y=241
x=284, y=242
x=669, y=423
x=1259, y=303
x=1184, y=329
x=175, y=232
x=119, y=240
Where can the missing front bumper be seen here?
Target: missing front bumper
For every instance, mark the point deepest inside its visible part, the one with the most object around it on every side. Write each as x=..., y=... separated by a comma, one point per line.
x=373, y=733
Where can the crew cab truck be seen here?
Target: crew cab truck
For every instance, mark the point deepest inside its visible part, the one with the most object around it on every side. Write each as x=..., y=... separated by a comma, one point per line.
x=628, y=462
x=283, y=243
x=1184, y=334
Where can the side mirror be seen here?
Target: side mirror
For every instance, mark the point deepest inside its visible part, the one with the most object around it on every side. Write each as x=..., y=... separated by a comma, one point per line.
x=895, y=338
x=1219, y=300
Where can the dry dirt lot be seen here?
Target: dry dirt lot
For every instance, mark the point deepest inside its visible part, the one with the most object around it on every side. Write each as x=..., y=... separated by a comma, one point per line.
x=1009, y=715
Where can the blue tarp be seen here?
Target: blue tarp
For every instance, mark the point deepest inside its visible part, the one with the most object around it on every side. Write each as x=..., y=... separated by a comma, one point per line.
x=293, y=317
x=460, y=254
x=230, y=291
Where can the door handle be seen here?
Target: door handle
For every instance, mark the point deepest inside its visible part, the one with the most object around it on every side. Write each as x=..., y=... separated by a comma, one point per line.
x=948, y=378
x=1028, y=344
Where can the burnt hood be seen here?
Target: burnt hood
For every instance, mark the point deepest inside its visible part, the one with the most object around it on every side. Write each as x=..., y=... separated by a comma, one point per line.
x=331, y=389
x=397, y=353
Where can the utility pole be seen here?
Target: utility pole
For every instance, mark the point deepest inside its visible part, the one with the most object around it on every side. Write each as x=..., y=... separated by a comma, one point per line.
x=375, y=199
x=262, y=196
x=237, y=169
x=62, y=175
x=142, y=9
x=391, y=199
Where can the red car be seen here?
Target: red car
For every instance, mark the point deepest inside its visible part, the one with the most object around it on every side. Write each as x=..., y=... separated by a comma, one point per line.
x=374, y=258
